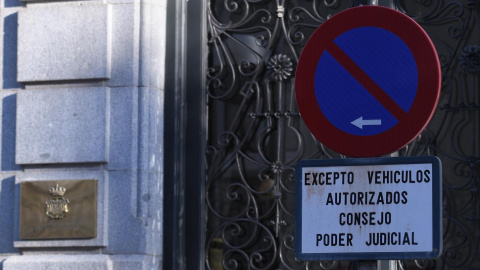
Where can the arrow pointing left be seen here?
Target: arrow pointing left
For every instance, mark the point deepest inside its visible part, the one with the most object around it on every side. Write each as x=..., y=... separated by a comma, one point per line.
x=360, y=122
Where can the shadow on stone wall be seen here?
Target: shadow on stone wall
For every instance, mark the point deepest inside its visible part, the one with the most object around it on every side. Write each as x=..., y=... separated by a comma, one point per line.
x=13, y=3
x=10, y=52
x=9, y=107
x=7, y=200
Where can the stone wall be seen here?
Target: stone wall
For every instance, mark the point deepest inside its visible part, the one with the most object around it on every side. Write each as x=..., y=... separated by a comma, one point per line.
x=82, y=98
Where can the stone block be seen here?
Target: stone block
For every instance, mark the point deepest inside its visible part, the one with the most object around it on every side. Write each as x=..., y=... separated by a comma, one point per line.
x=125, y=35
x=58, y=262
x=65, y=42
x=127, y=229
x=61, y=126
x=123, y=153
x=81, y=262
x=136, y=207
x=152, y=46
x=128, y=262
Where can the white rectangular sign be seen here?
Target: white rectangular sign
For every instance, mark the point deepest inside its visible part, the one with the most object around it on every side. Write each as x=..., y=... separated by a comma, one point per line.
x=375, y=208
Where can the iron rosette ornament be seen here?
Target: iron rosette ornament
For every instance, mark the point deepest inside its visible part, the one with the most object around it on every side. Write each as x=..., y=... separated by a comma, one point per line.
x=280, y=67
x=470, y=58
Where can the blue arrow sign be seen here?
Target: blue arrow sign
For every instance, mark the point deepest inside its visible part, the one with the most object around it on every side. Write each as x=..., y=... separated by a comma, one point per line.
x=360, y=122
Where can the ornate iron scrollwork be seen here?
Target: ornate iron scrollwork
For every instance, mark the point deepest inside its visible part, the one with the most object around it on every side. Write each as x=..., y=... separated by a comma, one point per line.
x=256, y=135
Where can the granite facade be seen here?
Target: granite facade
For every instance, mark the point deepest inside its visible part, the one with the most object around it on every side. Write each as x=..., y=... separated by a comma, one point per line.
x=82, y=97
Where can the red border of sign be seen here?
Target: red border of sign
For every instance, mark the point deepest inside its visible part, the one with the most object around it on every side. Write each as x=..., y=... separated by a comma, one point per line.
x=426, y=99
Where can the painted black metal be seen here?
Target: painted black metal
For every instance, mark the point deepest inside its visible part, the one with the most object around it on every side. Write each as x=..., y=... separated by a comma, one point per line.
x=195, y=133
x=184, y=135
x=174, y=141
x=255, y=134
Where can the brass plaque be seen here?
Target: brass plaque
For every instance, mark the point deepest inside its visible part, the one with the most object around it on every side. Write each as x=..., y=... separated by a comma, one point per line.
x=58, y=209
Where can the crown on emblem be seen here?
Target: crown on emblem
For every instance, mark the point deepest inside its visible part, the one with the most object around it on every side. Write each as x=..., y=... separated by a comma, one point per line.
x=57, y=191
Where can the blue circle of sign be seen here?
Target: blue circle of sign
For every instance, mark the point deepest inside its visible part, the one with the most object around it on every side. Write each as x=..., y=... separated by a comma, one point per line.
x=387, y=60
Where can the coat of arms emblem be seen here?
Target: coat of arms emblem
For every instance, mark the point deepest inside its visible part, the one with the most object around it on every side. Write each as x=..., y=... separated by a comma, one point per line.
x=57, y=205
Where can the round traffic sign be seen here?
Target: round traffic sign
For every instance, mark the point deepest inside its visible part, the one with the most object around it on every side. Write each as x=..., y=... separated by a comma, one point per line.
x=368, y=81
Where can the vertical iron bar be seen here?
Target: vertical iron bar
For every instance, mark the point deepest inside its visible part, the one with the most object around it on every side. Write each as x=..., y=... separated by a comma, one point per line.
x=174, y=129
x=195, y=133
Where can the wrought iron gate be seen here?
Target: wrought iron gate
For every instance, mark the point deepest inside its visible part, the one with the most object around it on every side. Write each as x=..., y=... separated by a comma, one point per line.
x=256, y=136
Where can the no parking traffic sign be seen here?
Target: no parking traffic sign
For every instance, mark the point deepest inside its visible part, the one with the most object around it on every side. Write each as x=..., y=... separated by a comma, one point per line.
x=368, y=81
